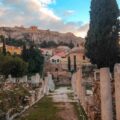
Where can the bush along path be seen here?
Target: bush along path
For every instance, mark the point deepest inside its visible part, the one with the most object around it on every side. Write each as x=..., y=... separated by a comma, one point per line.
x=59, y=105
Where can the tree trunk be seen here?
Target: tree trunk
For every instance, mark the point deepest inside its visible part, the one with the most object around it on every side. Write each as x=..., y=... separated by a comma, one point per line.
x=106, y=95
x=117, y=89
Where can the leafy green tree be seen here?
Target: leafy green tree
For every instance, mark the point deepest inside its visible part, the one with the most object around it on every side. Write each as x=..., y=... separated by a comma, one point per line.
x=52, y=44
x=44, y=44
x=34, y=58
x=102, y=39
x=14, y=42
x=71, y=45
x=13, y=65
x=69, y=64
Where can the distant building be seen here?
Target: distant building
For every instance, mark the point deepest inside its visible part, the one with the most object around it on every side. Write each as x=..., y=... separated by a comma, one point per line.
x=34, y=28
x=19, y=27
x=63, y=48
x=55, y=59
x=47, y=53
x=78, y=54
x=61, y=54
x=12, y=49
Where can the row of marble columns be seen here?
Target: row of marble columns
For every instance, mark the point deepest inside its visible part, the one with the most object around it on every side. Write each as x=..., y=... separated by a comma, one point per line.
x=105, y=91
x=106, y=94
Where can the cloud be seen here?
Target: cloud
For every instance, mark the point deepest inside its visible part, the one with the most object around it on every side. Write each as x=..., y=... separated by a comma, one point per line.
x=2, y=11
x=37, y=12
x=69, y=12
x=38, y=7
x=26, y=8
x=82, y=31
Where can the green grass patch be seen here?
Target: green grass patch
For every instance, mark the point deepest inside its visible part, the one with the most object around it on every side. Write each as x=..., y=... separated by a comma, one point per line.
x=11, y=98
x=70, y=96
x=45, y=109
x=59, y=86
x=69, y=88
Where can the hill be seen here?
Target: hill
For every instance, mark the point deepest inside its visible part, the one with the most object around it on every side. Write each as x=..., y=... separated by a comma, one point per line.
x=38, y=36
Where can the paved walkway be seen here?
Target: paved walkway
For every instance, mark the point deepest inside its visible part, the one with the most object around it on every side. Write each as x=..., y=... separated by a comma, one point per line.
x=62, y=94
x=63, y=98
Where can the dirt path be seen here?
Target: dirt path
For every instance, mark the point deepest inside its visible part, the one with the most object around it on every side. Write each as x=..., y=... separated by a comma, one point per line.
x=63, y=99
x=68, y=112
x=59, y=105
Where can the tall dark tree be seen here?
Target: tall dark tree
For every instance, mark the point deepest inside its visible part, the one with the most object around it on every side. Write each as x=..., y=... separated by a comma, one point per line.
x=119, y=35
x=44, y=44
x=102, y=39
x=34, y=59
x=71, y=45
x=4, y=44
x=75, y=65
x=24, y=53
x=69, y=64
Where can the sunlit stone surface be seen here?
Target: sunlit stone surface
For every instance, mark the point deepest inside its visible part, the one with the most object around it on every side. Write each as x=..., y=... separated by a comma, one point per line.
x=106, y=96
x=117, y=89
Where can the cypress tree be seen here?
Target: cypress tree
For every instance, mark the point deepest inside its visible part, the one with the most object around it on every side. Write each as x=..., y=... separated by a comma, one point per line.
x=24, y=54
x=75, y=65
x=34, y=59
x=71, y=45
x=4, y=45
x=102, y=39
x=69, y=64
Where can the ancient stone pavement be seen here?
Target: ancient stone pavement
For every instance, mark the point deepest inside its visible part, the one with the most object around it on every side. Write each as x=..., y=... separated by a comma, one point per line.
x=64, y=99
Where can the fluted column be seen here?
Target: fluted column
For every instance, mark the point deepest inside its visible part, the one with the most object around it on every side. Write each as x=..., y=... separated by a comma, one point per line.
x=106, y=95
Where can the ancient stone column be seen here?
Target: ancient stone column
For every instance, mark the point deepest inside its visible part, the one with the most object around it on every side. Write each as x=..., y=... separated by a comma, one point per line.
x=80, y=87
x=117, y=89
x=83, y=95
x=78, y=83
x=46, y=89
x=106, y=95
x=73, y=83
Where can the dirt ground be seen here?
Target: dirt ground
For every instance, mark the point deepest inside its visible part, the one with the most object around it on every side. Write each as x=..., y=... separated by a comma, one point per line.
x=67, y=111
x=65, y=104
x=59, y=105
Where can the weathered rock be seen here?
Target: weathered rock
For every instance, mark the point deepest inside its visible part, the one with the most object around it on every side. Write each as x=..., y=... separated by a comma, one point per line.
x=35, y=79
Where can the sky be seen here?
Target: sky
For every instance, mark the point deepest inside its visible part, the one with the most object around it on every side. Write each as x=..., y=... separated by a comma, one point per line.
x=56, y=15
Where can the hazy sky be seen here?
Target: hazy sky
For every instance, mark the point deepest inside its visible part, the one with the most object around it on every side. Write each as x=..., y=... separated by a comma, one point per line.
x=58, y=15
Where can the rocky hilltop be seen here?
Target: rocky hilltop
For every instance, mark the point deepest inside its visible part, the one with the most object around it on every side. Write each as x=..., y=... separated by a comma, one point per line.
x=38, y=36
